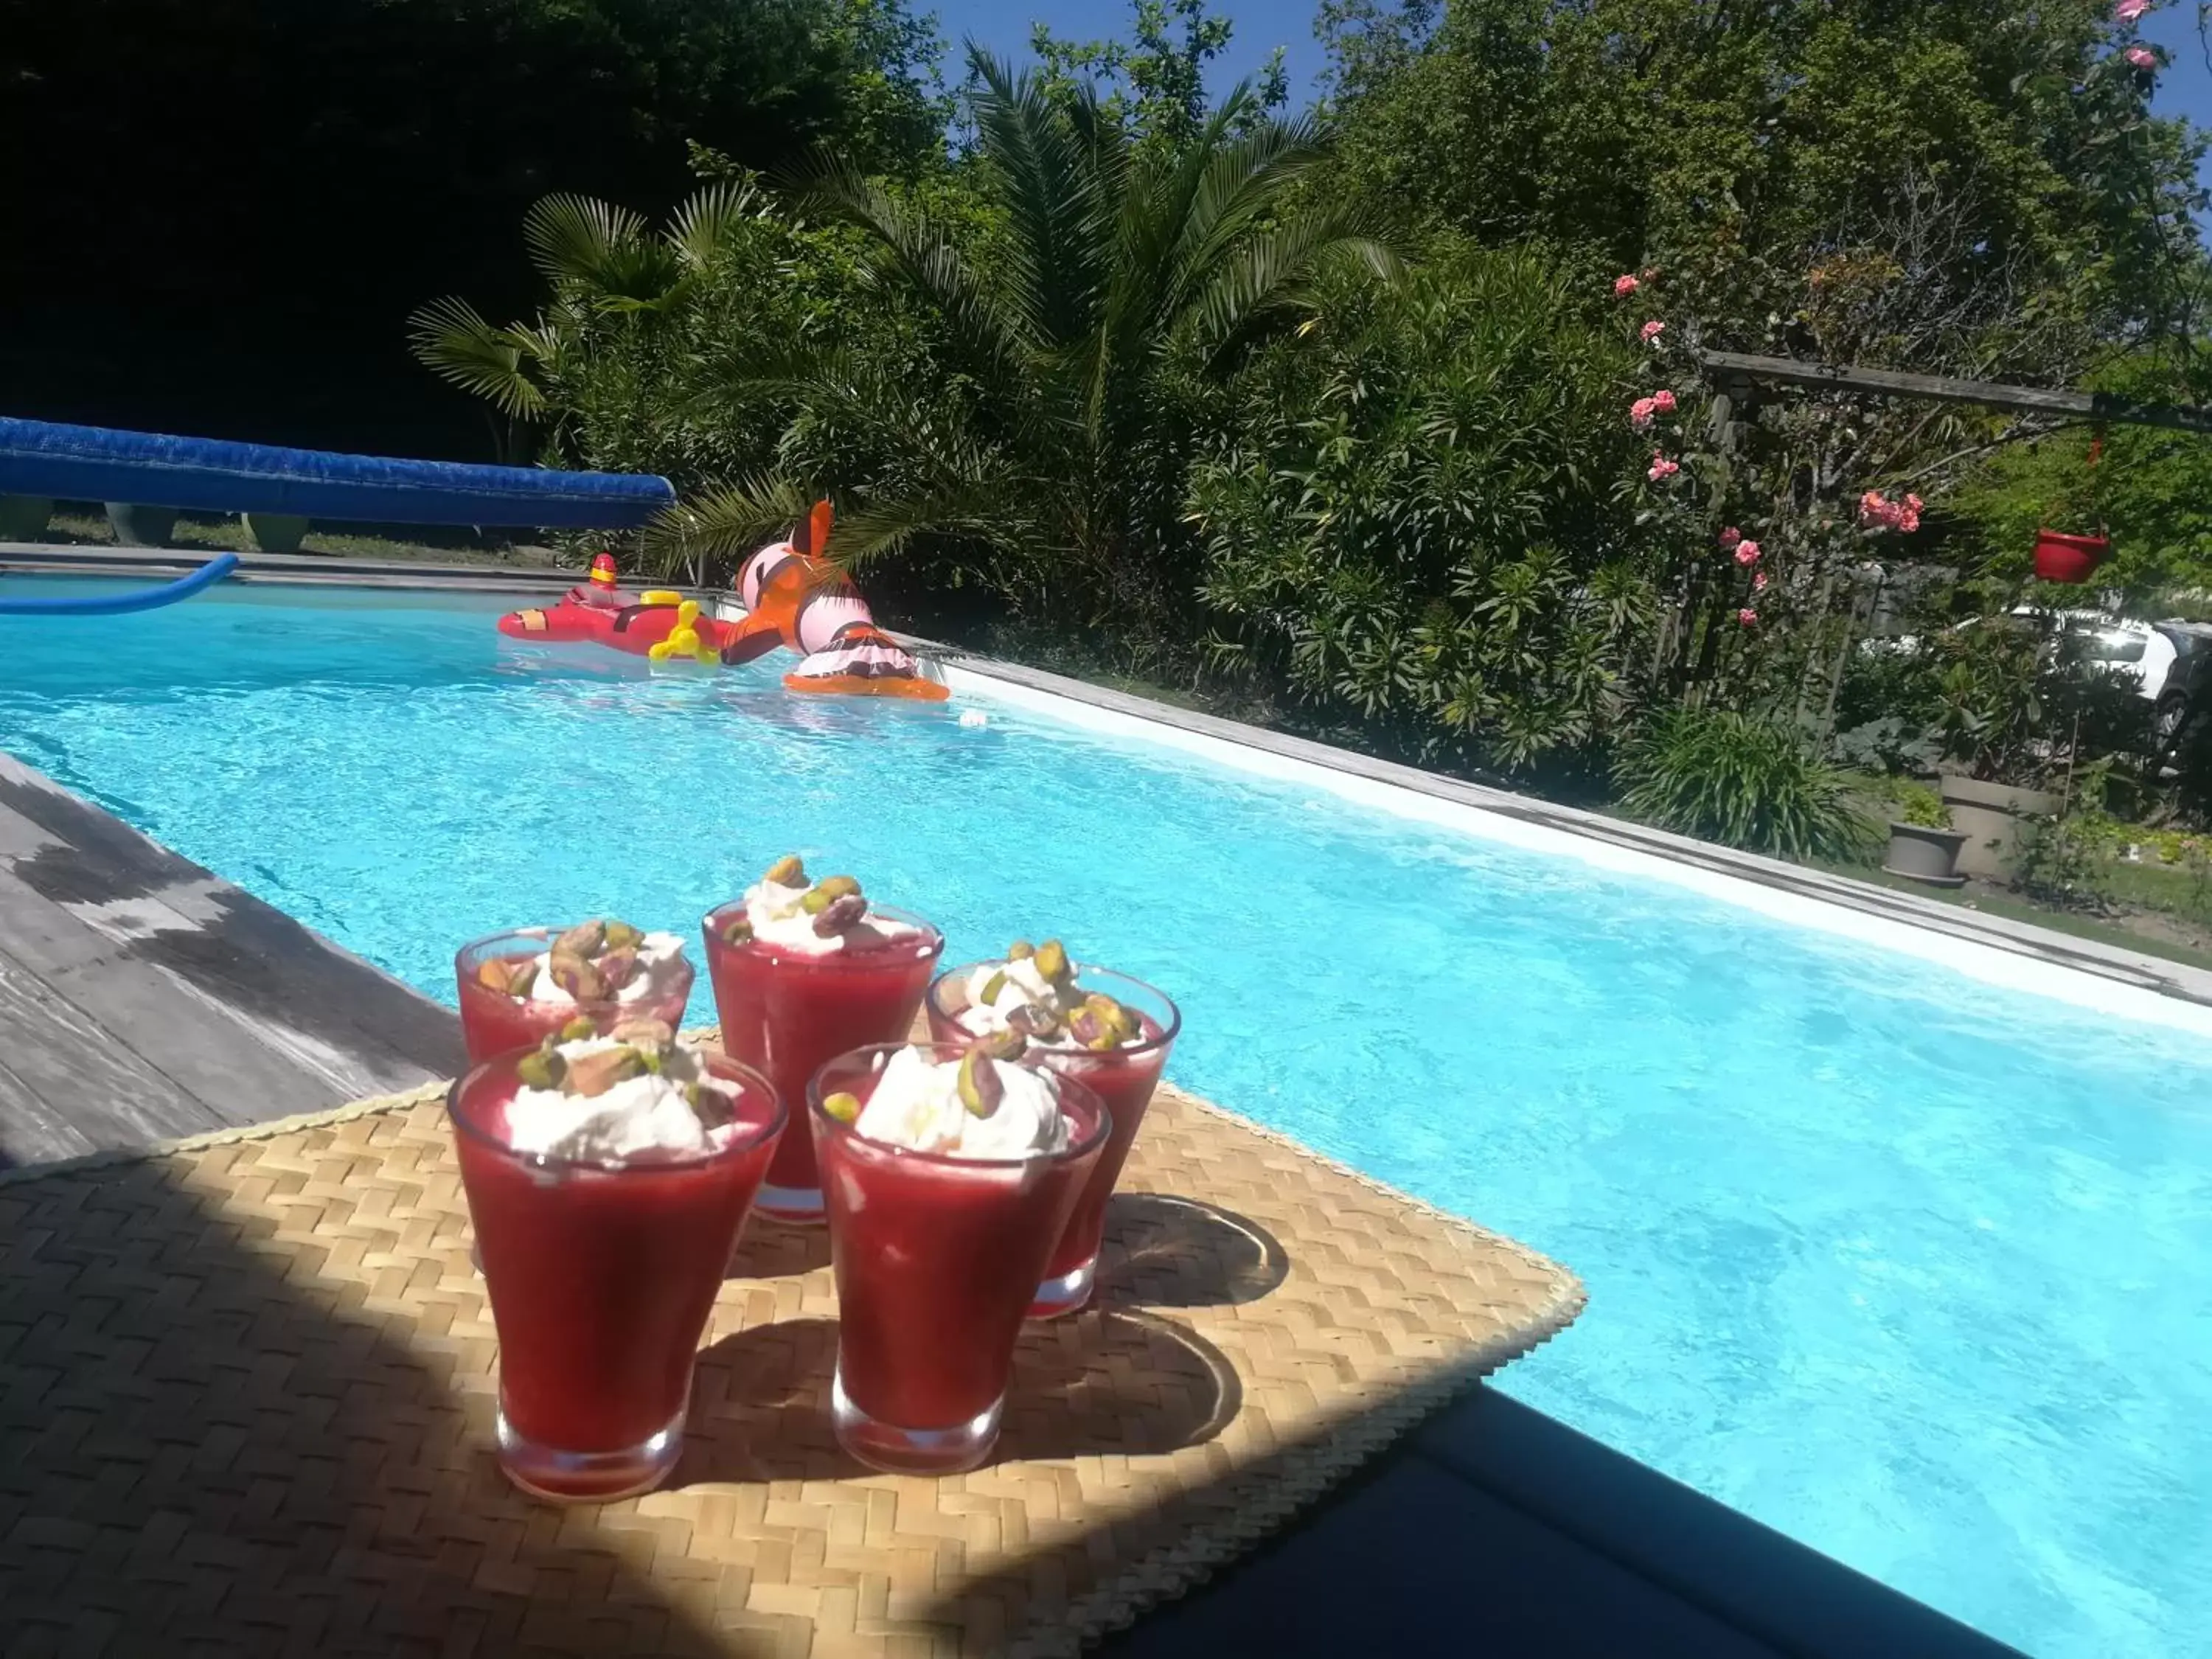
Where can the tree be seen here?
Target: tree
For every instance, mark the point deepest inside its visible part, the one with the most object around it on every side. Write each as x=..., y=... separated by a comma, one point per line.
x=1412, y=520
x=1102, y=279
x=249, y=197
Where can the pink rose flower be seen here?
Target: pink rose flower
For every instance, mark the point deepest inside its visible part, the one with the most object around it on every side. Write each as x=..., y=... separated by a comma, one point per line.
x=2128, y=10
x=1625, y=286
x=1747, y=553
x=1759, y=581
x=2143, y=58
x=1729, y=538
x=1640, y=412
x=1747, y=616
x=1663, y=402
x=1662, y=469
x=1651, y=330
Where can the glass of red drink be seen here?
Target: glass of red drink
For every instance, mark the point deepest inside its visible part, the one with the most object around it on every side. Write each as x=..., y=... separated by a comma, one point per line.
x=492, y=1021
x=789, y=1012
x=1123, y=1077
x=936, y=1256
x=601, y=1275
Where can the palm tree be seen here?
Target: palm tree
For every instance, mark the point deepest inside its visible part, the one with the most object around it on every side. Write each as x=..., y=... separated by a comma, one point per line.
x=1107, y=272
x=605, y=269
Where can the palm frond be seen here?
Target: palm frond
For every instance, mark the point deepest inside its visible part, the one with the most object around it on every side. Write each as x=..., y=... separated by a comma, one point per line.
x=727, y=523
x=453, y=339
x=707, y=223
x=575, y=238
x=909, y=245
x=1271, y=271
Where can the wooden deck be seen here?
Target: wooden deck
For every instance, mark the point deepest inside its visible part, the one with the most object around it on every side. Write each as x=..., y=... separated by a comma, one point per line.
x=142, y=997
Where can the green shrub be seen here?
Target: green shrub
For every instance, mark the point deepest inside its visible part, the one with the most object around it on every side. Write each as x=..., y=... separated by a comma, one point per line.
x=1413, y=518
x=1742, y=780
x=1923, y=807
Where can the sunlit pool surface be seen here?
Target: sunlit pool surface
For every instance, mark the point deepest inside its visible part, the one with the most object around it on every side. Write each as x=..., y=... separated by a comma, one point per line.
x=1915, y=1270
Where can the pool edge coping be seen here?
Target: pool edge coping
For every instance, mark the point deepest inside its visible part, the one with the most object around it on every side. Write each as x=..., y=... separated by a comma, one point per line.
x=1815, y=896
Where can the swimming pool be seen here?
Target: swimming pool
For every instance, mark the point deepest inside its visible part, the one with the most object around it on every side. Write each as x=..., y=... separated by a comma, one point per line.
x=1912, y=1267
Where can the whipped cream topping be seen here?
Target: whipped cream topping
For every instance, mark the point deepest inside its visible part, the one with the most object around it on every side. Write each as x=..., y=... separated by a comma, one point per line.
x=1016, y=984
x=658, y=954
x=651, y=1113
x=917, y=1105
x=779, y=918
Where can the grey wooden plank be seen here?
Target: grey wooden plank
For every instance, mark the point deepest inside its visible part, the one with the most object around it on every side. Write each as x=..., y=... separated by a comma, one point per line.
x=68, y=1086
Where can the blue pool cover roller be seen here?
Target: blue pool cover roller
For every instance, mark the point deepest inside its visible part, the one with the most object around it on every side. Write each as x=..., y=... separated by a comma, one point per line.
x=211, y=475
x=139, y=598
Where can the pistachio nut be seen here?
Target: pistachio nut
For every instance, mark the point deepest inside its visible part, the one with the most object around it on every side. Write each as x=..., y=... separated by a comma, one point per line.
x=714, y=1107
x=577, y=1028
x=1001, y=1045
x=740, y=932
x=789, y=871
x=586, y=939
x=982, y=1088
x=841, y=913
x=621, y=936
x=826, y=892
x=1052, y=960
x=1020, y=951
x=1035, y=1022
x=523, y=976
x=845, y=1108
x=617, y=968
x=1118, y=1019
x=644, y=1032
x=1089, y=1030
x=492, y=973
x=578, y=978
x=541, y=1069
x=596, y=1072
x=991, y=986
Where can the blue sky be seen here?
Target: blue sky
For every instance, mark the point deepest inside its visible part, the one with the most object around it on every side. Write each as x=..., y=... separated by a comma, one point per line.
x=2185, y=89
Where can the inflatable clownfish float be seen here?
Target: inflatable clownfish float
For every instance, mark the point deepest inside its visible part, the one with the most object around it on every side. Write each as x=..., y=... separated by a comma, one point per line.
x=794, y=597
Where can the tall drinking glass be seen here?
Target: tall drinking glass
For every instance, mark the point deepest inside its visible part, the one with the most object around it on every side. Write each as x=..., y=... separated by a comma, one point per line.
x=936, y=1258
x=601, y=1277
x=790, y=1013
x=1124, y=1078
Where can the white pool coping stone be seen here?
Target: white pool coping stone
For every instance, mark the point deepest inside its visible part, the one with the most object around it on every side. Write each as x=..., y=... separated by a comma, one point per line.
x=1994, y=949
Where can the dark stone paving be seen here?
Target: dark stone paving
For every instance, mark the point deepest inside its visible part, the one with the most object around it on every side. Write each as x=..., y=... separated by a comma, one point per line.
x=142, y=999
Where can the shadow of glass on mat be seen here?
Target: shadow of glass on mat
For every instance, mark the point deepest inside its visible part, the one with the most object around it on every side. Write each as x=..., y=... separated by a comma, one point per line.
x=775, y=1250
x=1163, y=1251
x=1103, y=1382
x=212, y=1447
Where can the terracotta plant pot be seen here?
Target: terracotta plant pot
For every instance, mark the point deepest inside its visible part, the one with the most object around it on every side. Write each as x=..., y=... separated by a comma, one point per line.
x=1923, y=853
x=277, y=533
x=2060, y=557
x=23, y=518
x=141, y=526
x=1992, y=816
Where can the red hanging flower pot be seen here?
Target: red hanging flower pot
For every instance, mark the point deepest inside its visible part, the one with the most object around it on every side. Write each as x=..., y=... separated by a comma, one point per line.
x=2060, y=557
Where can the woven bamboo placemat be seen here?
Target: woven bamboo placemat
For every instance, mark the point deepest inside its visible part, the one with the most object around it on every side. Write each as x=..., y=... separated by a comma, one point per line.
x=246, y=1389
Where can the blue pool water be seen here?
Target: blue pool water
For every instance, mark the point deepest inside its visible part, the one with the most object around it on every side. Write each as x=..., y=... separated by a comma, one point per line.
x=1916, y=1270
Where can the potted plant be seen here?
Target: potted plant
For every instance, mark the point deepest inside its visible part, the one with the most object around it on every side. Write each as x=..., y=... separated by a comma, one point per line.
x=278, y=532
x=141, y=526
x=1922, y=845
x=23, y=518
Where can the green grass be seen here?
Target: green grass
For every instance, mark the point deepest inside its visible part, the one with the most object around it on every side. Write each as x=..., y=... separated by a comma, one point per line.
x=2012, y=908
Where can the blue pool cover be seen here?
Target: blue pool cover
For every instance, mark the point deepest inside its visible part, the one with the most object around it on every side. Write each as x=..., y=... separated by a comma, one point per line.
x=152, y=469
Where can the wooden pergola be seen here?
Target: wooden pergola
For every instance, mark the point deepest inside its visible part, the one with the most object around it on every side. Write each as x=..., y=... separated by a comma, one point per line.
x=1739, y=376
